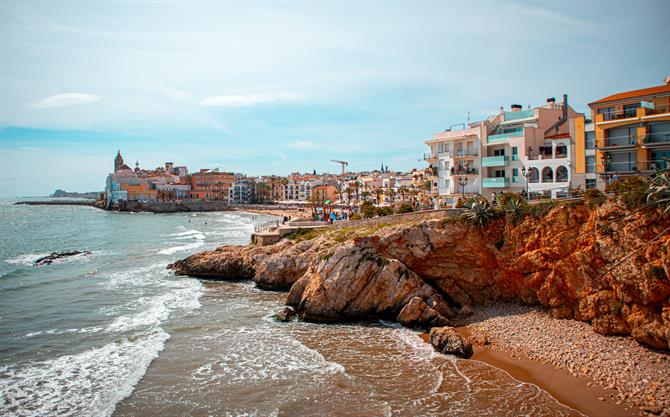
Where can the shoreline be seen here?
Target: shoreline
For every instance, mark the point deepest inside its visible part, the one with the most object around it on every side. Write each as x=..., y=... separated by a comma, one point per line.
x=577, y=393
x=579, y=367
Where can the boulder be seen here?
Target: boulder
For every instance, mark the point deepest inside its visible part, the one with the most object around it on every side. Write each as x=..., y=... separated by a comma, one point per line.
x=356, y=283
x=285, y=315
x=446, y=340
x=417, y=313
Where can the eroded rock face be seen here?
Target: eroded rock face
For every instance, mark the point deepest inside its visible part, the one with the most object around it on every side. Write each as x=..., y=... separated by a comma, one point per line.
x=355, y=283
x=446, y=340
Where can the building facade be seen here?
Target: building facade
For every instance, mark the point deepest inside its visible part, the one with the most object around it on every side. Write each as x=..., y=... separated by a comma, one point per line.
x=632, y=132
x=211, y=185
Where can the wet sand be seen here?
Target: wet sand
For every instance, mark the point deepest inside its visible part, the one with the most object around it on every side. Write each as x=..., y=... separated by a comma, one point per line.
x=574, y=392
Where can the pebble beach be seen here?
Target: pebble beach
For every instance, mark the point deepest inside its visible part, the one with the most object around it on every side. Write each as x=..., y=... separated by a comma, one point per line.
x=638, y=376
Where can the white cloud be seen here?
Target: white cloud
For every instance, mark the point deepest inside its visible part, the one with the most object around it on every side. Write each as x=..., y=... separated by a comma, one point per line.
x=299, y=145
x=246, y=100
x=64, y=100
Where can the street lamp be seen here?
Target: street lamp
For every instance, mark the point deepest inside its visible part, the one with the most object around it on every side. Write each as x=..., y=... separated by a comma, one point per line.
x=526, y=173
x=607, y=160
x=463, y=181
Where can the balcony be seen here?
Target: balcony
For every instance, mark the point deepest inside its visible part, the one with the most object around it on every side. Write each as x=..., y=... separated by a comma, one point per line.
x=618, y=143
x=495, y=161
x=652, y=140
x=517, y=115
x=464, y=153
x=500, y=182
x=503, y=137
x=463, y=171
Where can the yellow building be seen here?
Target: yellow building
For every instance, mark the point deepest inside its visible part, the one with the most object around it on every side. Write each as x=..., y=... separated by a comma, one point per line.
x=632, y=133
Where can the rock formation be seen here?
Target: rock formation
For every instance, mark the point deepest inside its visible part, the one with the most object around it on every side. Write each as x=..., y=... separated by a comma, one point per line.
x=423, y=274
x=446, y=340
x=49, y=259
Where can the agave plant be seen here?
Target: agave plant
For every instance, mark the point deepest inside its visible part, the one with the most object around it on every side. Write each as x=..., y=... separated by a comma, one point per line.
x=659, y=191
x=479, y=212
x=515, y=208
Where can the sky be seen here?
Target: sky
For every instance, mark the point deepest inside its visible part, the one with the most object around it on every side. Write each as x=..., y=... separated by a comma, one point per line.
x=278, y=87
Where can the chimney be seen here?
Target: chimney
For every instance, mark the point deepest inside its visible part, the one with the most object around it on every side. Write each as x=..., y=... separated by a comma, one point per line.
x=516, y=107
x=667, y=80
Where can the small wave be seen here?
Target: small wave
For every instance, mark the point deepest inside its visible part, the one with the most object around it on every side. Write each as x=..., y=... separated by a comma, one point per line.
x=27, y=259
x=186, y=232
x=155, y=310
x=92, y=329
x=88, y=383
x=175, y=249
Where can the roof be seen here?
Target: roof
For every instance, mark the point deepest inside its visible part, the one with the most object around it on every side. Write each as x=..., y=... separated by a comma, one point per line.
x=634, y=93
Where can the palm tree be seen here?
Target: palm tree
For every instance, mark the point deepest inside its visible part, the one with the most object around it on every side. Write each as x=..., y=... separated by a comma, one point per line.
x=348, y=195
x=365, y=195
x=403, y=190
x=392, y=195
x=379, y=192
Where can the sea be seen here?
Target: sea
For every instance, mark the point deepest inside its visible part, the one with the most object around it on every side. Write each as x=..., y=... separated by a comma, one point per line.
x=115, y=333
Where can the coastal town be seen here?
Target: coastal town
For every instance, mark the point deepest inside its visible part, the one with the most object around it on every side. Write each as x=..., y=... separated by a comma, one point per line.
x=543, y=152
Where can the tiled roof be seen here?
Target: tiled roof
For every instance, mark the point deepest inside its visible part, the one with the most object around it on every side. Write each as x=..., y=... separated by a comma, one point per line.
x=635, y=93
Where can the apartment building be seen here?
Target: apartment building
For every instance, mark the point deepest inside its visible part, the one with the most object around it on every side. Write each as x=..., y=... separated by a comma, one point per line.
x=211, y=185
x=518, y=150
x=632, y=132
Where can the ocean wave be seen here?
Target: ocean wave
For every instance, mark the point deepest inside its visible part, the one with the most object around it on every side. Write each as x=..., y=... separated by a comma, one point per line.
x=89, y=383
x=92, y=329
x=175, y=249
x=187, y=232
x=155, y=310
x=27, y=259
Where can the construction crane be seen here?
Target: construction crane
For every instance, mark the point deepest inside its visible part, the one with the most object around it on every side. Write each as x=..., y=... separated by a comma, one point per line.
x=344, y=164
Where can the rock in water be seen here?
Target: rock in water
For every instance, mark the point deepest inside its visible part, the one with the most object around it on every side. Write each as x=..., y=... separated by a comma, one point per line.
x=446, y=340
x=285, y=315
x=48, y=260
x=417, y=313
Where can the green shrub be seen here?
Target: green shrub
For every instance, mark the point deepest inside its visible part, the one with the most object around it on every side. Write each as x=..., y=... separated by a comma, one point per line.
x=594, y=197
x=540, y=210
x=302, y=234
x=355, y=216
x=503, y=198
x=460, y=203
x=479, y=212
x=367, y=209
x=404, y=208
x=515, y=208
x=383, y=211
x=632, y=191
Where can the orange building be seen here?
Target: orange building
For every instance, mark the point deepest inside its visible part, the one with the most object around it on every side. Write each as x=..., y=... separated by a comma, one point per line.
x=632, y=131
x=324, y=192
x=211, y=185
x=139, y=192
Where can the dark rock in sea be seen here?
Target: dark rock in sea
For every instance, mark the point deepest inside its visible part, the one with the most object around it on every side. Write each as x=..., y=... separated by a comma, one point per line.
x=417, y=313
x=446, y=340
x=285, y=315
x=47, y=260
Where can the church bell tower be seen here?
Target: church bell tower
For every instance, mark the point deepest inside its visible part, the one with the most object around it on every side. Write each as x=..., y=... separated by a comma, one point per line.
x=118, y=161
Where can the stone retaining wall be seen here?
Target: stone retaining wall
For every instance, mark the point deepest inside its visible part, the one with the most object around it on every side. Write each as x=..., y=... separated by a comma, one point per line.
x=399, y=218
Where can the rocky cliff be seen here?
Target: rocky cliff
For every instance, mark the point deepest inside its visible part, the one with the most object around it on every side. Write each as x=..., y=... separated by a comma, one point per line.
x=426, y=273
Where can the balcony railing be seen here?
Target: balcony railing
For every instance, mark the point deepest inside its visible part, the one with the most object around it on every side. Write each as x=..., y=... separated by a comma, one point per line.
x=619, y=141
x=656, y=138
x=495, y=161
x=462, y=171
x=503, y=137
x=460, y=153
x=500, y=182
x=516, y=115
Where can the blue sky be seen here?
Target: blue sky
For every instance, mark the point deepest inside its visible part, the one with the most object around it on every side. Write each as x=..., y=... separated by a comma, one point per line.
x=273, y=87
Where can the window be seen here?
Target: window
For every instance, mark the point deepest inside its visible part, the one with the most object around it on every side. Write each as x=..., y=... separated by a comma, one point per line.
x=515, y=153
x=591, y=163
x=630, y=110
x=590, y=183
x=608, y=112
x=500, y=173
x=515, y=172
x=499, y=152
x=590, y=140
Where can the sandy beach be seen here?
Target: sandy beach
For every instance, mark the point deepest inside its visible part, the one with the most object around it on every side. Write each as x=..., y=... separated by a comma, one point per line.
x=595, y=374
x=291, y=212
